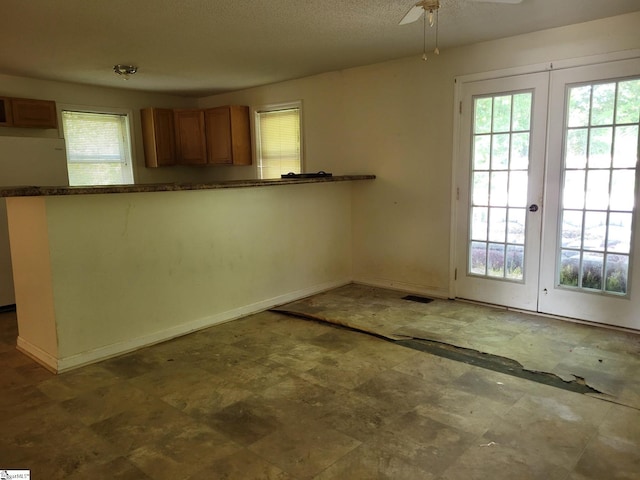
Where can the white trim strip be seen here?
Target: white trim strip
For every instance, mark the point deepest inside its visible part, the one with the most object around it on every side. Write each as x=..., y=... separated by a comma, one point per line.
x=113, y=350
x=549, y=66
x=45, y=359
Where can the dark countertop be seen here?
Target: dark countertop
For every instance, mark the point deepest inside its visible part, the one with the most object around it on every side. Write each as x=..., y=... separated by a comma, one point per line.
x=33, y=191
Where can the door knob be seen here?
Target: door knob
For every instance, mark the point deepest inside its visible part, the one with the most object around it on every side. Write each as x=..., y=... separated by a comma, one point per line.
x=533, y=207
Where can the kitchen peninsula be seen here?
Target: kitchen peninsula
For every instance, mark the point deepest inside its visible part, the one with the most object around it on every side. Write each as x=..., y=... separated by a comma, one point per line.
x=100, y=271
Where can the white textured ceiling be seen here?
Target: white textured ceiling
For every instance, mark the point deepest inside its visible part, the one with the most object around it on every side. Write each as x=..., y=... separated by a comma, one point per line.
x=201, y=47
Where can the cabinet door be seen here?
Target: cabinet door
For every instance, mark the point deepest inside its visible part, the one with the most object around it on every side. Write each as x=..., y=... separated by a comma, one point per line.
x=34, y=113
x=190, y=137
x=228, y=135
x=158, y=134
x=5, y=112
x=240, y=135
x=218, y=124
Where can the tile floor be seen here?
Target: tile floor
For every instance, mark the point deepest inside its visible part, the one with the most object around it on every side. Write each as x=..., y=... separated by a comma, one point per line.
x=607, y=360
x=276, y=397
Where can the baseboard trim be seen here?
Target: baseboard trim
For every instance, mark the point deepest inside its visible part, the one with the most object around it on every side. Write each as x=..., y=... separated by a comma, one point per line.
x=422, y=290
x=129, y=345
x=8, y=308
x=45, y=359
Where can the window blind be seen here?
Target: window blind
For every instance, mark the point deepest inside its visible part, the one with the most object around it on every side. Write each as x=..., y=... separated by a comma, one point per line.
x=97, y=147
x=94, y=137
x=279, y=142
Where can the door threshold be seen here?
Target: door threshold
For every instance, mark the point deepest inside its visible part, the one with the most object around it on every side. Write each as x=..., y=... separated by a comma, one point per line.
x=551, y=316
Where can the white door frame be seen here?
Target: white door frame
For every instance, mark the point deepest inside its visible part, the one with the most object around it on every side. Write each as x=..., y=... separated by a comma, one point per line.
x=459, y=85
x=620, y=311
x=521, y=293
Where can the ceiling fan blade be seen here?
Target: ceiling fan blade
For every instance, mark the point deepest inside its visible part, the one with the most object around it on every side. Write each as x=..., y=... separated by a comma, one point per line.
x=513, y=2
x=412, y=15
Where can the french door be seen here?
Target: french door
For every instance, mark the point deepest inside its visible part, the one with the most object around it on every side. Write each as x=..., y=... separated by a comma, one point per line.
x=500, y=181
x=547, y=186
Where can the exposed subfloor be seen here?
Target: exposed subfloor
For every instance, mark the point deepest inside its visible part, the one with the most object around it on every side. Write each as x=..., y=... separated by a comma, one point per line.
x=271, y=396
x=606, y=362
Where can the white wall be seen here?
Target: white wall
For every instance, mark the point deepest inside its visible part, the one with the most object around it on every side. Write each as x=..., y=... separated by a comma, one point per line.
x=30, y=252
x=15, y=168
x=66, y=94
x=41, y=161
x=111, y=273
x=395, y=120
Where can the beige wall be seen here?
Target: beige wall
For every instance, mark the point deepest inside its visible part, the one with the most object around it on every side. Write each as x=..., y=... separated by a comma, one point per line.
x=25, y=161
x=127, y=270
x=395, y=120
x=22, y=169
x=66, y=94
x=33, y=279
x=392, y=119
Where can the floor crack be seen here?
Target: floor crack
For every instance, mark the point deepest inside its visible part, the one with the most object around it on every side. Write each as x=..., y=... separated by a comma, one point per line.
x=498, y=363
x=470, y=356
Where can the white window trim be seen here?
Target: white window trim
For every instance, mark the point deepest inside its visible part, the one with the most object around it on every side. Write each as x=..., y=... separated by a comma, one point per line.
x=106, y=110
x=254, y=130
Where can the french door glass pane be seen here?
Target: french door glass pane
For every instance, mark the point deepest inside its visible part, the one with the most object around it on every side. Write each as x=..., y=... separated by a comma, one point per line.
x=599, y=171
x=500, y=163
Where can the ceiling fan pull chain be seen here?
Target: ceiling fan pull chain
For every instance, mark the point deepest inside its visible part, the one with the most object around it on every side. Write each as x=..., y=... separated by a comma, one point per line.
x=424, y=38
x=437, y=50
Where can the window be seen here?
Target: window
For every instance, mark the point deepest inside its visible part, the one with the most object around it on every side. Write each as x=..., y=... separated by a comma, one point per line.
x=278, y=140
x=498, y=200
x=601, y=154
x=98, y=148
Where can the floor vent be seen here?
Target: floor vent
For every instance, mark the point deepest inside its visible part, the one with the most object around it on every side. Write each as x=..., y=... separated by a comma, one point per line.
x=417, y=298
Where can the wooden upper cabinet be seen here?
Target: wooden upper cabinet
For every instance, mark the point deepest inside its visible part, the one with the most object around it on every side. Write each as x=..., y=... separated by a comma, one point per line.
x=216, y=136
x=228, y=135
x=191, y=145
x=30, y=113
x=5, y=112
x=158, y=135
x=218, y=124
x=26, y=112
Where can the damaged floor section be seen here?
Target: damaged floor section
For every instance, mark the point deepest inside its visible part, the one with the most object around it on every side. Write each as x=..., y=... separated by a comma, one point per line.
x=276, y=397
x=580, y=358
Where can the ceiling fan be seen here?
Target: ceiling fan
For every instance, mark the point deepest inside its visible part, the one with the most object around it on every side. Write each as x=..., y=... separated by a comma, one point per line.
x=429, y=8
